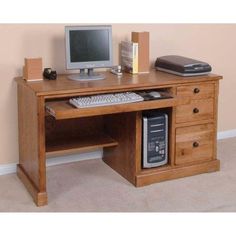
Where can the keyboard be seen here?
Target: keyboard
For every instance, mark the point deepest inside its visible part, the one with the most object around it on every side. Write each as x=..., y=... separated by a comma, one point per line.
x=105, y=99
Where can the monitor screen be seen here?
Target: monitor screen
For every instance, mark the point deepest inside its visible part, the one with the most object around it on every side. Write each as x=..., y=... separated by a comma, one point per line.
x=88, y=47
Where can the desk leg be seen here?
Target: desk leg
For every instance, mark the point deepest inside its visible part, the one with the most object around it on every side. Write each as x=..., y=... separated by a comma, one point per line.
x=32, y=164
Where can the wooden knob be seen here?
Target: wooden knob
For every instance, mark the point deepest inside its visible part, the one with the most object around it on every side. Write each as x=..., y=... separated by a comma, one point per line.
x=195, y=144
x=195, y=110
x=196, y=90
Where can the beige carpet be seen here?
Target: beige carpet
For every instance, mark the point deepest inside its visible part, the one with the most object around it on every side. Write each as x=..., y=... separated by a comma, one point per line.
x=92, y=186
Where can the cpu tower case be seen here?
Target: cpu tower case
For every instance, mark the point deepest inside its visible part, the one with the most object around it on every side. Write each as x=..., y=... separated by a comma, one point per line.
x=155, y=139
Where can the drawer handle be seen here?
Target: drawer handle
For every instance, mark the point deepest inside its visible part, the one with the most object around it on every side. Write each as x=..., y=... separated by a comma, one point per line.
x=195, y=144
x=196, y=90
x=195, y=110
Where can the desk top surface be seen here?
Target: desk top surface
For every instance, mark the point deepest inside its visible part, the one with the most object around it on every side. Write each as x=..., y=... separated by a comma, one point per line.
x=154, y=79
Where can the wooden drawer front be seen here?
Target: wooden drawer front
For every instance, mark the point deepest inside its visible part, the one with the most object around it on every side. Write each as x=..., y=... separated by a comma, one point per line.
x=196, y=91
x=194, y=143
x=201, y=109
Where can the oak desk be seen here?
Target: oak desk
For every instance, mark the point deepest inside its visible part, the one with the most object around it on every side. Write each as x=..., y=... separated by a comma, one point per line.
x=118, y=129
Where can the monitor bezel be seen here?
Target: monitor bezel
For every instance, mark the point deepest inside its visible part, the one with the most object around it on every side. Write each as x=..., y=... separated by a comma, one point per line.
x=89, y=64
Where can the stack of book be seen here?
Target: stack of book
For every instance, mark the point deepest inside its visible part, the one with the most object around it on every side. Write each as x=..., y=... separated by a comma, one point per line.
x=135, y=53
x=129, y=57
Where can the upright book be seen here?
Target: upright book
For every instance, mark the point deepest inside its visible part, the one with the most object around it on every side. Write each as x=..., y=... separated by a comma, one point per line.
x=142, y=38
x=129, y=56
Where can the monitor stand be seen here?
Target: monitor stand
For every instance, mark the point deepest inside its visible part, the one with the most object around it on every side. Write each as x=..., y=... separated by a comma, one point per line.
x=83, y=76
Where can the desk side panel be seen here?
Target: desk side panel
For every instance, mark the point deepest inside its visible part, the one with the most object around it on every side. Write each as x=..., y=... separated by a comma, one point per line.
x=122, y=158
x=31, y=137
x=216, y=119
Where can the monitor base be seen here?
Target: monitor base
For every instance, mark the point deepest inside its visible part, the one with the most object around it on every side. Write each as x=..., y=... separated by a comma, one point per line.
x=82, y=76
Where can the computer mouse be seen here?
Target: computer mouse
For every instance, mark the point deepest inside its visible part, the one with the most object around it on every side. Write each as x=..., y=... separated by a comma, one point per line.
x=155, y=94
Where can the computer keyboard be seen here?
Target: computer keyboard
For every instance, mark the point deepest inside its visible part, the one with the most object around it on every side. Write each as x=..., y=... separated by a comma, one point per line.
x=105, y=99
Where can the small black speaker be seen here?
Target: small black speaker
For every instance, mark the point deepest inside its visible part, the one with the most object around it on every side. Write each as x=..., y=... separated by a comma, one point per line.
x=49, y=74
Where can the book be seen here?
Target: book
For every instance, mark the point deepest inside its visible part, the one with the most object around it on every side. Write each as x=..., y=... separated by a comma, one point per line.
x=129, y=56
x=142, y=38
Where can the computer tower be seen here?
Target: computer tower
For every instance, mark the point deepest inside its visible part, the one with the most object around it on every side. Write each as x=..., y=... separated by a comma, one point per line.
x=155, y=139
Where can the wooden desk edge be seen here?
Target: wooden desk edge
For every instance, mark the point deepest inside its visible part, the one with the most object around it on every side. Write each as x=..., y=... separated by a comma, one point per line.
x=121, y=87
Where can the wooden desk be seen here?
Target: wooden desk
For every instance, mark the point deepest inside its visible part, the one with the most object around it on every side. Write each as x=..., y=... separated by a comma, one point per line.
x=118, y=129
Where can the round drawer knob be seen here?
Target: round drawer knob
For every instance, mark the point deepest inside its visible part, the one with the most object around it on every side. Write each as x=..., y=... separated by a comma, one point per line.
x=195, y=110
x=195, y=144
x=196, y=90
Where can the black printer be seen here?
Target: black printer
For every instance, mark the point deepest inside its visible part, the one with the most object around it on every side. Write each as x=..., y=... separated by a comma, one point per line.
x=182, y=65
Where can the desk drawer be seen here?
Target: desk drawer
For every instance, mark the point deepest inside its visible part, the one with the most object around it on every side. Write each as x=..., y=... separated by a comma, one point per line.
x=204, y=90
x=201, y=109
x=194, y=143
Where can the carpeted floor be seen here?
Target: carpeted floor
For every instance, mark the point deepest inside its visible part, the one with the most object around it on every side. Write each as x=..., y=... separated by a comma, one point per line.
x=92, y=186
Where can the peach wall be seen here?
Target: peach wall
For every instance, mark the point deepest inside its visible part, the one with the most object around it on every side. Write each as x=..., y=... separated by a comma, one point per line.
x=214, y=43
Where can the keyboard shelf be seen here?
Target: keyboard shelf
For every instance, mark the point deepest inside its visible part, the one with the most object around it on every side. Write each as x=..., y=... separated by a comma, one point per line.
x=64, y=110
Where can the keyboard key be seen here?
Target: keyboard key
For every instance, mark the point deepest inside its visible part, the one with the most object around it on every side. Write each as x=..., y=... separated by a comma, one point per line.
x=105, y=99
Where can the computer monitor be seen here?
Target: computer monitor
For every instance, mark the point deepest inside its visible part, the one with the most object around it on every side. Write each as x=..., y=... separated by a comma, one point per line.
x=88, y=47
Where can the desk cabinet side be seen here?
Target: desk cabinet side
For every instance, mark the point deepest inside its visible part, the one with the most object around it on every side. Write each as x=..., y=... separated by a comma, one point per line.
x=125, y=129
x=32, y=168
